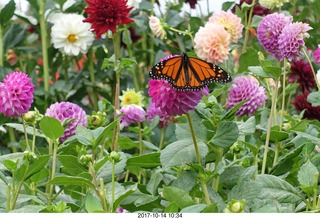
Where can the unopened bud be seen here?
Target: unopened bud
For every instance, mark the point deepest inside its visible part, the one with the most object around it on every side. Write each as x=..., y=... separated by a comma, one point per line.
x=114, y=156
x=29, y=117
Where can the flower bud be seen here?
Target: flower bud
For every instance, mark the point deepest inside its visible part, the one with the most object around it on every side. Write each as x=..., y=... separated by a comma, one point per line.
x=235, y=206
x=29, y=117
x=85, y=159
x=29, y=156
x=114, y=157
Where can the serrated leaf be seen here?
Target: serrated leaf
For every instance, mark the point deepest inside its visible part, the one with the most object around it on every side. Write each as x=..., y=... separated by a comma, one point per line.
x=227, y=133
x=181, y=152
x=308, y=177
x=178, y=196
x=51, y=127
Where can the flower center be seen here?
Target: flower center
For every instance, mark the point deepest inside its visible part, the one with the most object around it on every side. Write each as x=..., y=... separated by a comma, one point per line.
x=72, y=38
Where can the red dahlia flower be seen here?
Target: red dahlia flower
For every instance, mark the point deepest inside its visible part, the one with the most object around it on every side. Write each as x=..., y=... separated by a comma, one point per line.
x=105, y=15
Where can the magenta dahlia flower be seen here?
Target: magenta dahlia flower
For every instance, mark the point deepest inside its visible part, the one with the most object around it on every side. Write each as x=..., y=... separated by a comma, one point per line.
x=291, y=40
x=316, y=55
x=131, y=114
x=173, y=102
x=106, y=15
x=269, y=31
x=66, y=110
x=164, y=118
x=16, y=94
x=246, y=88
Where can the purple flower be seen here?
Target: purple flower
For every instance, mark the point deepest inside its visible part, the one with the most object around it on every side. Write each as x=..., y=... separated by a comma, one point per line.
x=246, y=88
x=16, y=94
x=269, y=30
x=131, y=114
x=164, y=118
x=121, y=210
x=291, y=38
x=316, y=54
x=301, y=72
x=67, y=110
x=173, y=102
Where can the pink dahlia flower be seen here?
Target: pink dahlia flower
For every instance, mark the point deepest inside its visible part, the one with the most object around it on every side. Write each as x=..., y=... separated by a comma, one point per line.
x=292, y=38
x=246, y=88
x=164, y=118
x=131, y=114
x=212, y=43
x=316, y=55
x=231, y=23
x=16, y=94
x=66, y=110
x=269, y=30
x=173, y=102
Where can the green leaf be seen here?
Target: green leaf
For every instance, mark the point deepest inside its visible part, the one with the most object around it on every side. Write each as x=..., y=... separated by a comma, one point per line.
x=178, y=196
x=249, y=58
x=7, y=12
x=308, y=177
x=106, y=169
x=70, y=165
x=314, y=98
x=247, y=127
x=37, y=165
x=197, y=208
x=232, y=112
x=51, y=127
x=309, y=137
x=28, y=209
x=19, y=127
x=259, y=71
x=181, y=152
x=10, y=165
x=276, y=136
x=105, y=132
x=93, y=204
x=151, y=160
x=272, y=70
x=123, y=196
x=152, y=186
x=172, y=207
x=71, y=180
x=276, y=188
x=227, y=133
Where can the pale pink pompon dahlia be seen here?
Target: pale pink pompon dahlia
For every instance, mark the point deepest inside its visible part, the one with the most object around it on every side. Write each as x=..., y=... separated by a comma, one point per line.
x=246, y=88
x=131, y=114
x=16, y=94
x=212, y=43
x=66, y=110
x=231, y=23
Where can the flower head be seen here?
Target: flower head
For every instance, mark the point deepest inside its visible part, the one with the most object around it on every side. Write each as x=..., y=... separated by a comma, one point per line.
x=269, y=30
x=164, y=118
x=131, y=114
x=212, y=43
x=173, y=102
x=192, y=3
x=131, y=97
x=70, y=35
x=66, y=110
x=316, y=55
x=272, y=3
x=157, y=27
x=301, y=103
x=301, y=72
x=16, y=94
x=106, y=15
x=231, y=23
x=257, y=8
x=292, y=38
x=246, y=88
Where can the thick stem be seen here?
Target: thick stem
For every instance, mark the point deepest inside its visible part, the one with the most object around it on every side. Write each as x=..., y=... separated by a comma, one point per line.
x=17, y=192
x=140, y=139
x=219, y=154
x=273, y=108
x=314, y=73
x=53, y=168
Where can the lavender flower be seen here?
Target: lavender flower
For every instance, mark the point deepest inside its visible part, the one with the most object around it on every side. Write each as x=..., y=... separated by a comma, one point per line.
x=16, y=94
x=292, y=38
x=246, y=88
x=269, y=30
x=316, y=55
x=67, y=110
x=164, y=118
x=131, y=114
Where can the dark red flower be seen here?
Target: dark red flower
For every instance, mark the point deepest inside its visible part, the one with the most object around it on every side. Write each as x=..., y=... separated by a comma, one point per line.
x=301, y=103
x=192, y=3
x=106, y=15
x=301, y=72
x=257, y=10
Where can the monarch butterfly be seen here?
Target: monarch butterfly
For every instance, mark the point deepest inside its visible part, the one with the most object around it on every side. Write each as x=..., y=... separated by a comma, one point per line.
x=185, y=74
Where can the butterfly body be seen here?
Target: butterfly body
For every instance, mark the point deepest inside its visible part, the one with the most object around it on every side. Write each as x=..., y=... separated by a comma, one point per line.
x=185, y=73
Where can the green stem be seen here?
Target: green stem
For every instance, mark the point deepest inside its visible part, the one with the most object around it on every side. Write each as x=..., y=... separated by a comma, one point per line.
x=248, y=25
x=163, y=132
x=276, y=153
x=140, y=139
x=273, y=107
x=25, y=134
x=93, y=80
x=1, y=46
x=9, y=190
x=12, y=138
x=219, y=154
x=34, y=137
x=44, y=44
x=112, y=184
x=314, y=73
x=283, y=93
x=17, y=192
x=194, y=140
x=53, y=168
x=315, y=191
